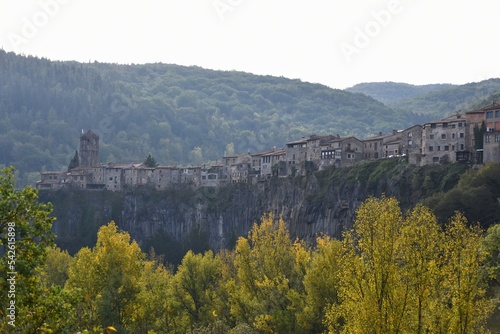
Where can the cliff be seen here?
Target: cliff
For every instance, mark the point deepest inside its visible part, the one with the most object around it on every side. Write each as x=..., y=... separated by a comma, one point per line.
x=175, y=220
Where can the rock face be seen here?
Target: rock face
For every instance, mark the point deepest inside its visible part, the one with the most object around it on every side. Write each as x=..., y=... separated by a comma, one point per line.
x=180, y=219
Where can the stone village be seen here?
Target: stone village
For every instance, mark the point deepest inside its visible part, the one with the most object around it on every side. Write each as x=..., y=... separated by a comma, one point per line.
x=451, y=139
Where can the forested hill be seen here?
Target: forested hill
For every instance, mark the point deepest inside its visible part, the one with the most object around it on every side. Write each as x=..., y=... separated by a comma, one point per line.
x=180, y=114
x=432, y=101
x=390, y=92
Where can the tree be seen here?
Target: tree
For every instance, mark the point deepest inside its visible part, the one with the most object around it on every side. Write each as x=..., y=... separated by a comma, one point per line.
x=75, y=162
x=108, y=277
x=321, y=284
x=194, y=289
x=270, y=269
x=420, y=256
x=373, y=297
x=463, y=283
x=25, y=232
x=150, y=161
x=406, y=275
x=154, y=310
x=56, y=267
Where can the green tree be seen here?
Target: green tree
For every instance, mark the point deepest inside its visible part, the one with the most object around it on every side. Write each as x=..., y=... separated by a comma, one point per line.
x=75, y=162
x=25, y=232
x=194, y=289
x=55, y=270
x=150, y=161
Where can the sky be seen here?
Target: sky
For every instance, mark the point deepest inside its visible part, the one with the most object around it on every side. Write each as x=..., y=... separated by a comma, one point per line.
x=337, y=43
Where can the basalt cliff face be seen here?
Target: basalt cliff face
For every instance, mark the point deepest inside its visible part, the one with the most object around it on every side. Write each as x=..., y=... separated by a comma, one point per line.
x=176, y=220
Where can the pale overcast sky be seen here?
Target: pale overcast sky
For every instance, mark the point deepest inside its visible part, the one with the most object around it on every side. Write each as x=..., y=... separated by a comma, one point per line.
x=334, y=42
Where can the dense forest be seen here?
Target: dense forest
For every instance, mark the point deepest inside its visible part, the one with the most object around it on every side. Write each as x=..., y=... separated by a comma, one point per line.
x=394, y=271
x=182, y=115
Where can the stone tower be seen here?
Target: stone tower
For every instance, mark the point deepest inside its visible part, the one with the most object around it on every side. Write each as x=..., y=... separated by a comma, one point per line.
x=89, y=149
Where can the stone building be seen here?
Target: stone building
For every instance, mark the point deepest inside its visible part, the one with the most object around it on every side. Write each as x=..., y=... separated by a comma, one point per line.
x=273, y=163
x=491, y=139
x=411, y=144
x=444, y=140
x=373, y=147
x=341, y=151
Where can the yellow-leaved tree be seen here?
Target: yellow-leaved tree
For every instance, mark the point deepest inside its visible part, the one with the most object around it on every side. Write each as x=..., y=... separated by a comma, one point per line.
x=373, y=297
x=403, y=274
x=265, y=294
x=108, y=277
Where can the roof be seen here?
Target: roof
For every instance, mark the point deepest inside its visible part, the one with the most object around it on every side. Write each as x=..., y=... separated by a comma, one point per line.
x=456, y=118
x=343, y=139
x=492, y=106
x=299, y=141
x=275, y=152
x=89, y=134
x=377, y=137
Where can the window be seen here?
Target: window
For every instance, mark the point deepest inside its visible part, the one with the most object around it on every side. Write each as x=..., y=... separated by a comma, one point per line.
x=439, y=148
x=497, y=113
x=435, y=159
x=461, y=147
x=487, y=138
x=431, y=148
x=445, y=125
x=452, y=136
x=461, y=134
x=431, y=136
x=446, y=147
x=460, y=124
x=433, y=125
x=489, y=114
x=443, y=136
x=497, y=138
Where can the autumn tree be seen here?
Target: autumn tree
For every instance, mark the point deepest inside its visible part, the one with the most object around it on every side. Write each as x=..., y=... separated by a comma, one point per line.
x=463, y=283
x=406, y=275
x=154, y=307
x=321, y=284
x=420, y=260
x=108, y=276
x=270, y=268
x=373, y=297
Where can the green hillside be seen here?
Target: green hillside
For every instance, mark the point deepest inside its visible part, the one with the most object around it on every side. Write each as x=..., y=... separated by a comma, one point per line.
x=182, y=115
x=431, y=101
x=391, y=92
